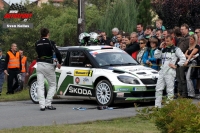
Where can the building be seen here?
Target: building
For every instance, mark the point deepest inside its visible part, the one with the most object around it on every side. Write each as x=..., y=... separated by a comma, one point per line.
x=3, y=4
x=54, y=2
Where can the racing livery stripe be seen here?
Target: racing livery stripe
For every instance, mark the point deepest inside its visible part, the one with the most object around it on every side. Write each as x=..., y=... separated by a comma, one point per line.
x=57, y=77
x=68, y=80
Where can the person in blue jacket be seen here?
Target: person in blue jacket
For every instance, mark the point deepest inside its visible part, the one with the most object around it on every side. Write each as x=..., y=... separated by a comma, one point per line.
x=148, y=57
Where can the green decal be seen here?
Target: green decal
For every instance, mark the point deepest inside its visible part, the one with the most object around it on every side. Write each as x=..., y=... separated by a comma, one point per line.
x=57, y=77
x=68, y=80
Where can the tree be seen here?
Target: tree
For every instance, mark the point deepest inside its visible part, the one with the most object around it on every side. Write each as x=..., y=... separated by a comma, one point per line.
x=61, y=21
x=144, y=15
x=178, y=12
x=121, y=14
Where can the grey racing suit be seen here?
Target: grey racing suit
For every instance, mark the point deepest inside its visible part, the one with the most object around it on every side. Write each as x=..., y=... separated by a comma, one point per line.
x=167, y=74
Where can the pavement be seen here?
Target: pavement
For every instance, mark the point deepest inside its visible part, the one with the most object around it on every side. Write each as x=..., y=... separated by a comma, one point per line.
x=25, y=113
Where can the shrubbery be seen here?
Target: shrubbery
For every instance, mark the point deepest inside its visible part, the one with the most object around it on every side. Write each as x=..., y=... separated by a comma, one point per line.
x=179, y=116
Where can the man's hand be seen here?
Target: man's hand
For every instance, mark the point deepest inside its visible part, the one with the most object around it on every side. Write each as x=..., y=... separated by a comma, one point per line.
x=186, y=63
x=148, y=62
x=59, y=66
x=162, y=45
x=172, y=65
x=6, y=72
x=104, y=37
x=27, y=74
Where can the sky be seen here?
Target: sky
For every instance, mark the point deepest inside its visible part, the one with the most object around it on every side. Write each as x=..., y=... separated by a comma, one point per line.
x=16, y=1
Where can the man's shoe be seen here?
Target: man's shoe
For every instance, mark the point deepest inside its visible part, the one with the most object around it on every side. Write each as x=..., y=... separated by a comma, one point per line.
x=50, y=107
x=42, y=109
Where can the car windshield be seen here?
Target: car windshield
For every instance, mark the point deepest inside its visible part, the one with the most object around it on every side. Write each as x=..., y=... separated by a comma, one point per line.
x=113, y=58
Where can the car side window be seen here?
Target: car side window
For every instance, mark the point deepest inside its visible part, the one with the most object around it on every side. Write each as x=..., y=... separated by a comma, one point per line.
x=78, y=59
x=63, y=54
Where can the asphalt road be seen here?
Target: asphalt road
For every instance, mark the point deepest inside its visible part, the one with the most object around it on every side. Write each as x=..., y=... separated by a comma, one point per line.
x=25, y=113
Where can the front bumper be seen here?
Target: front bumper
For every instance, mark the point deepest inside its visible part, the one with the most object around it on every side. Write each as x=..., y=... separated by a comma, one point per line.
x=139, y=96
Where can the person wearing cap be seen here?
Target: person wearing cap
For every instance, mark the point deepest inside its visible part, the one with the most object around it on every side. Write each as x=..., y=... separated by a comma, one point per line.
x=24, y=71
x=2, y=64
x=12, y=68
x=46, y=53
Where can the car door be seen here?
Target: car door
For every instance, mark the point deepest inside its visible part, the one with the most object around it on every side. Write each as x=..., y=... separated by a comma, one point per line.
x=75, y=78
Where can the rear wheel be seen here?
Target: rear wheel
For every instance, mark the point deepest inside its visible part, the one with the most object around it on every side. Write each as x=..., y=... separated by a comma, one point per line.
x=33, y=91
x=104, y=93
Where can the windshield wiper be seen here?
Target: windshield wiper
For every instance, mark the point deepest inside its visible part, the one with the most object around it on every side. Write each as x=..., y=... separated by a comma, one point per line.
x=120, y=64
x=130, y=64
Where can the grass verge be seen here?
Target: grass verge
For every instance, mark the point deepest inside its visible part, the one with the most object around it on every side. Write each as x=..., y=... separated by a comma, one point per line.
x=22, y=95
x=120, y=125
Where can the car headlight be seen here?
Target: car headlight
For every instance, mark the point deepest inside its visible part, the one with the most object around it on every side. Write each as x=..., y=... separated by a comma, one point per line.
x=128, y=80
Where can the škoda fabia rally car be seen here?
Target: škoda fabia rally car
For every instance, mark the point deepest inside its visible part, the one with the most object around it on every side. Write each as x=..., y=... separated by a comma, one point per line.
x=102, y=73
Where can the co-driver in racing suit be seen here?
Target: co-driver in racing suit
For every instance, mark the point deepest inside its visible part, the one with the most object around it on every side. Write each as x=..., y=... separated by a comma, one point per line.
x=169, y=55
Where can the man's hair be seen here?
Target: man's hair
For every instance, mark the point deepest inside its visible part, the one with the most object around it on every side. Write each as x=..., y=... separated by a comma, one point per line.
x=170, y=31
x=185, y=25
x=144, y=40
x=169, y=36
x=13, y=44
x=149, y=27
x=159, y=20
x=134, y=33
x=140, y=24
x=177, y=32
x=115, y=29
x=153, y=40
x=128, y=37
x=159, y=30
x=44, y=32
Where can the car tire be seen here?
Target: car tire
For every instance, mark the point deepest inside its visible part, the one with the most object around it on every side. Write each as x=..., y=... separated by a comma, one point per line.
x=33, y=91
x=104, y=93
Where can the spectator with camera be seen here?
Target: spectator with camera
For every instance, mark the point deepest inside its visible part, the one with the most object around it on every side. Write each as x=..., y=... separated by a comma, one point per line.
x=104, y=40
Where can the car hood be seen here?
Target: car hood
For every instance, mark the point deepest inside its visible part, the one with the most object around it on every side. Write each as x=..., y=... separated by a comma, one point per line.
x=138, y=70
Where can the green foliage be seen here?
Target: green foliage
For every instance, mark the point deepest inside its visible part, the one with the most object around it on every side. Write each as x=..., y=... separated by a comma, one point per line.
x=178, y=116
x=121, y=14
x=61, y=21
x=144, y=15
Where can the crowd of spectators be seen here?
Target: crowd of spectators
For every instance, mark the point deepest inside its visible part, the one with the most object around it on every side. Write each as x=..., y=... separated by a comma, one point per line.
x=141, y=45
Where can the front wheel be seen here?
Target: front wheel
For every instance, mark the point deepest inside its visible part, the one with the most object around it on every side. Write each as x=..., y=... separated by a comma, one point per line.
x=33, y=91
x=104, y=93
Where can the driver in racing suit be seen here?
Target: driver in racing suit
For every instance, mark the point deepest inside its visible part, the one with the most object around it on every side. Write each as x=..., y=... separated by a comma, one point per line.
x=169, y=55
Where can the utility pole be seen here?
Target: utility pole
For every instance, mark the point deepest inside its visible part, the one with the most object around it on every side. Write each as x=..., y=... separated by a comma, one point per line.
x=81, y=17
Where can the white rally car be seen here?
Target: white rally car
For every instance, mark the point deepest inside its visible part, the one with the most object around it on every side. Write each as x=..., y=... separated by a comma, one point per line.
x=102, y=73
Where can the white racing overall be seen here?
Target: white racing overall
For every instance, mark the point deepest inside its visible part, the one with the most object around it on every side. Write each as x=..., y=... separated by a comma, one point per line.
x=167, y=74
x=46, y=71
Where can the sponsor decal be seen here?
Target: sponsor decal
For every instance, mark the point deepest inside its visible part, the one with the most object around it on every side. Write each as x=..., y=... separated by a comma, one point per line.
x=139, y=89
x=120, y=94
x=77, y=80
x=85, y=80
x=83, y=73
x=123, y=89
x=80, y=90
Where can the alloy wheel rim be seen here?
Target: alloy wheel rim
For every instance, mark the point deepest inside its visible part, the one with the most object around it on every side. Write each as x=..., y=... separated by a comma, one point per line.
x=33, y=90
x=103, y=93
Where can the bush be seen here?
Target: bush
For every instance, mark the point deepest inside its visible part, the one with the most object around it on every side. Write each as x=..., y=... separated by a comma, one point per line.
x=178, y=116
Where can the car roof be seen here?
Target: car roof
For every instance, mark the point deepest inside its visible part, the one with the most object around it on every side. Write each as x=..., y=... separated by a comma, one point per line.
x=90, y=48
